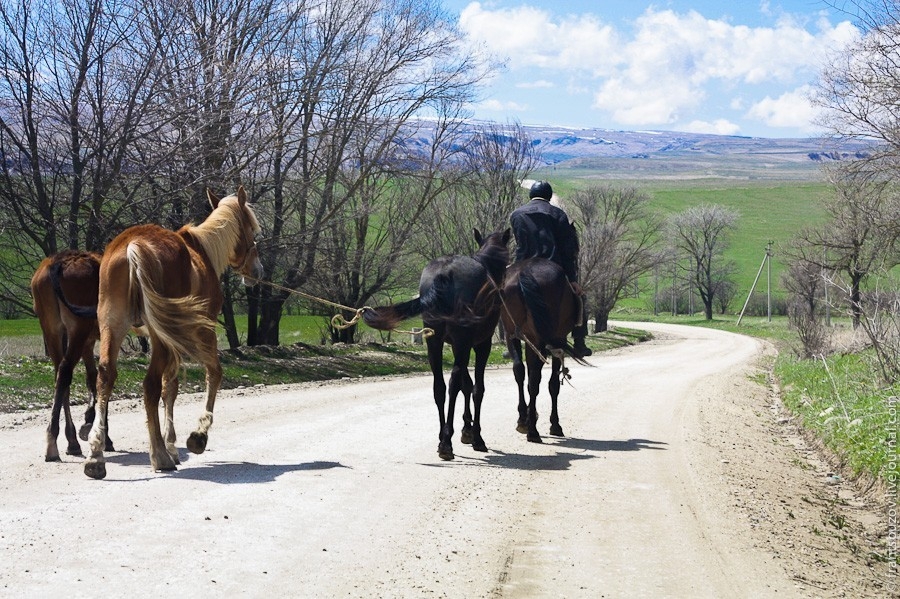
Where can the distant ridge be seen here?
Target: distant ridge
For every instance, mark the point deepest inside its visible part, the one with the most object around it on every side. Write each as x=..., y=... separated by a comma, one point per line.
x=670, y=154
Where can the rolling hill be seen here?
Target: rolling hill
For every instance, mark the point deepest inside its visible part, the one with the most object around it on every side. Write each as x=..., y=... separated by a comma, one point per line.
x=666, y=154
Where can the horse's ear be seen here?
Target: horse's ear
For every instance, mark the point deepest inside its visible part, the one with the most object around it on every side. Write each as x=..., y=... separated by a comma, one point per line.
x=242, y=196
x=506, y=235
x=213, y=199
x=478, y=237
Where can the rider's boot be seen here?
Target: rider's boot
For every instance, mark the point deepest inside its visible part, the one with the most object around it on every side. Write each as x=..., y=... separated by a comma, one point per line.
x=578, y=334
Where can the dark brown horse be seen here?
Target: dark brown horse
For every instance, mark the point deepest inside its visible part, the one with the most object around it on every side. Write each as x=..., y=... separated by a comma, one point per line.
x=540, y=308
x=61, y=283
x=458, y=300
x=169, y=281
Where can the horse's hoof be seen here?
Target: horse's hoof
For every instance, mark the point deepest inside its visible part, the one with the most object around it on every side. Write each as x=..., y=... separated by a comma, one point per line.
x=466, y=437
x=109, y=445
x=95, y=470
x=445, y=451
x=75, y=451
x=534, y=438
x=52, y=458
x=196, y=442
x=84, y=431
x=521, y=428
x=479, y=445
x=556, y=431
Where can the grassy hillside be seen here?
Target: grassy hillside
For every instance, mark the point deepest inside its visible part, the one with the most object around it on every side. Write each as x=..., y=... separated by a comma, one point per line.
x=769, y=211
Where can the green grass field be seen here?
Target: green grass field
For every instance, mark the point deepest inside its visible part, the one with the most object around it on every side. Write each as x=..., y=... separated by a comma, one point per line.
x=769, y=211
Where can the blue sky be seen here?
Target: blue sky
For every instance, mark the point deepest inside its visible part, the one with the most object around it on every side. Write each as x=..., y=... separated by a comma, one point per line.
x=744, y=67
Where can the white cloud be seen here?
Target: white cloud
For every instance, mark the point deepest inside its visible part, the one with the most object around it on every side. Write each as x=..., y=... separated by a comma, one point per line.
x=665, y=67
x=791, y=109
x=530, y=37
x=717, y=127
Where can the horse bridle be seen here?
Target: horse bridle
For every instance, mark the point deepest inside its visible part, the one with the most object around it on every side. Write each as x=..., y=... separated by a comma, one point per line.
x=250, y=243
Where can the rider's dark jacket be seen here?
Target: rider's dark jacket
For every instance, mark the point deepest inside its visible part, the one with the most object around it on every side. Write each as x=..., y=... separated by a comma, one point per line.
x=543, y=230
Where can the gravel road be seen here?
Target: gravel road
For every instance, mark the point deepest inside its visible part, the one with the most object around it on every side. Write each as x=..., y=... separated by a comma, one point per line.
x=678, y=477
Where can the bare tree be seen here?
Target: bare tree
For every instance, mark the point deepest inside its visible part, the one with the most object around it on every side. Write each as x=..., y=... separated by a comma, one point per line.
x=805, y=282
x=484, y=190
x=701, y=234
x=347, y=90
x=859, y=88
x=74, y=105
x=619, y=241
x=860, y=235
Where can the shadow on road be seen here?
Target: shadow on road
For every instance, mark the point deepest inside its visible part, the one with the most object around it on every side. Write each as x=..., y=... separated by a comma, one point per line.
x=604, y=445
x=225, y=473
x=228, y=473
x=561, y=460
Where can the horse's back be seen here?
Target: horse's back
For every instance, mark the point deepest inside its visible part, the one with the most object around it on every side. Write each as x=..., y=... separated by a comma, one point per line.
x=465, y=275
x=169, y=262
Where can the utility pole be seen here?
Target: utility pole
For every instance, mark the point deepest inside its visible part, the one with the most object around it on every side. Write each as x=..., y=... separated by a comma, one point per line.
x=765, y=262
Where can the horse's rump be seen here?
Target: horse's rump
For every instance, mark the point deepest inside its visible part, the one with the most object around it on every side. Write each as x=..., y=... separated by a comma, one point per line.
x=540, y=303
x=546, y=321
x=74, y=277
x=176, y=321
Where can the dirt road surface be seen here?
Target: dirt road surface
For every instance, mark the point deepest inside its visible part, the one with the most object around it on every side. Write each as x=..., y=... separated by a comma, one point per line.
x=678, y=477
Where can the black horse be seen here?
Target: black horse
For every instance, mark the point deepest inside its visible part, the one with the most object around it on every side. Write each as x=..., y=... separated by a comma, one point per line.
x=540, y=308
x=459, y=301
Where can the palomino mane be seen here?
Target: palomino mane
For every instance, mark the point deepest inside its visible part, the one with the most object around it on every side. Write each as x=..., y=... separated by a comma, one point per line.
x=221, y=231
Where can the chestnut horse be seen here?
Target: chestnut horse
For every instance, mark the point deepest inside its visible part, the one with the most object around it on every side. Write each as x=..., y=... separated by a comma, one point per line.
x=169, y=281
x=458, y=300
x=61, y=283
x=539, y=307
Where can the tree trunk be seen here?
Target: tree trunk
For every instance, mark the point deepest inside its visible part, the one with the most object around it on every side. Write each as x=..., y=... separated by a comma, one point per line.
x=234, y=341
x=601, y=321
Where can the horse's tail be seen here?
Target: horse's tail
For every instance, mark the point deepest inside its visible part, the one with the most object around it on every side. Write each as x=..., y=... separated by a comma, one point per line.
x=178, y=323
x=55, y=273
x=385, y=318
x=544, y=319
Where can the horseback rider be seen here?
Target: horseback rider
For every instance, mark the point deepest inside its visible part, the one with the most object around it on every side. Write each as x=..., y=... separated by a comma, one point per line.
x=543, y=230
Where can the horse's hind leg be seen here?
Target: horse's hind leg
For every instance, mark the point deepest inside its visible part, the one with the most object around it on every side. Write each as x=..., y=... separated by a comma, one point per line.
x=554, y=385
x=169, y=392
x=54, y=345
x=482, y=352
x=466, y=435
x=90, y=367
x=535, y=363
x=61, y=395
x=197, y=440
x=162, y=364
x=459, y=381
x=439, y=388
x=110, y=340
x=515, y=352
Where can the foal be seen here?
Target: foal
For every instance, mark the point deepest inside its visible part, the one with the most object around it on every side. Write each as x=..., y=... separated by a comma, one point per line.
x=61, y=283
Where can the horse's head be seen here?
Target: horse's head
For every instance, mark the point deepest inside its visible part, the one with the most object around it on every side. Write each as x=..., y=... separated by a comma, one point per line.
x=244, y=256
x=495, y=239
x=493, y=251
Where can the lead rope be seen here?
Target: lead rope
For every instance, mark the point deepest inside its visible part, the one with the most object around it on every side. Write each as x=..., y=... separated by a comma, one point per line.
x=338, y=321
